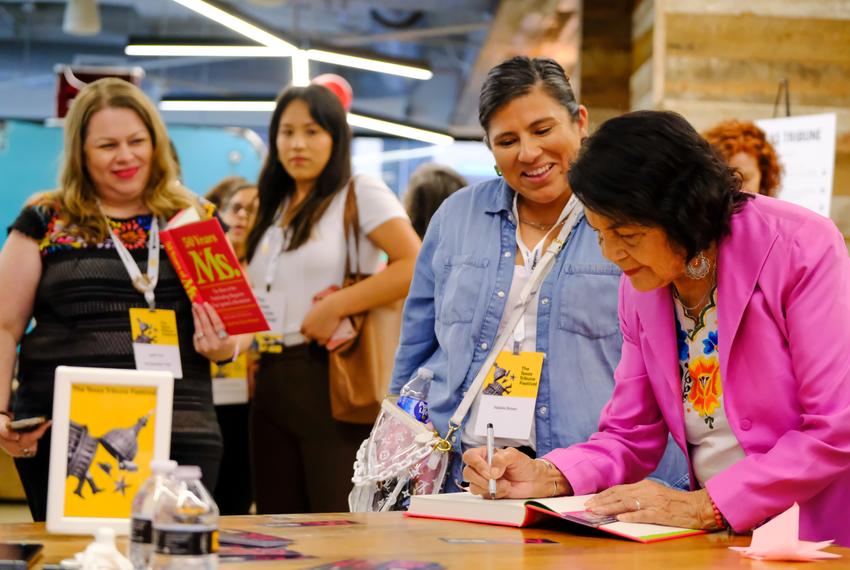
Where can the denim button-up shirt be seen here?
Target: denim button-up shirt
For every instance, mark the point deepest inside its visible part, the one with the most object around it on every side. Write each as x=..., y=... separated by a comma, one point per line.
x=453, y=311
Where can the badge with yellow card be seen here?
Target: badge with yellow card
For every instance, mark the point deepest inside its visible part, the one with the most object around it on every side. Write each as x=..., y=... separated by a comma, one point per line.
x=230, y=381
x=155, y=344
x=509, y=395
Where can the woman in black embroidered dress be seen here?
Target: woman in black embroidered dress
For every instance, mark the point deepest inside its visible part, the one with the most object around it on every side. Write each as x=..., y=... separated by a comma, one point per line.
x=59, y=267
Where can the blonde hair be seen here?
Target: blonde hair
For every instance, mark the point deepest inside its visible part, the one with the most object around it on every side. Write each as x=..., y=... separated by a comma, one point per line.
x=77, y=196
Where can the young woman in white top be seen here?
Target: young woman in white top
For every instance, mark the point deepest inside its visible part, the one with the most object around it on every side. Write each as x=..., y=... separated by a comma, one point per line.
x=302, y=457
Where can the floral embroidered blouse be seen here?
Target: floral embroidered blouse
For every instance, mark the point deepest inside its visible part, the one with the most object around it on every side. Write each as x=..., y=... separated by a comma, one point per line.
x=81, y=312
x=712, y=445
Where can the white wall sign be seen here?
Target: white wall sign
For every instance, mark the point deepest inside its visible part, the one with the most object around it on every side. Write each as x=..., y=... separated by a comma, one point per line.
x=806, y=149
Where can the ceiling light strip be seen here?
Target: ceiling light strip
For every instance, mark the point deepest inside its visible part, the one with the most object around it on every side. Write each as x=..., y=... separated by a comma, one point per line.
x=300, y=69
x=361, y=121
x=218, y=106
x=235, y=23
x=399, y=130
x=176, y=50
x=370, y=64
x=358, y=62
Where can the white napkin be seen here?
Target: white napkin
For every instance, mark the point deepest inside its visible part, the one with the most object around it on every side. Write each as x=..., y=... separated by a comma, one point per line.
x=779, y=539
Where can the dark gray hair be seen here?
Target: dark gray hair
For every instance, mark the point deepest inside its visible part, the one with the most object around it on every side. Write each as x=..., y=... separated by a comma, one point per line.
x=517, y=76
x=428, y=186
x=653, y=169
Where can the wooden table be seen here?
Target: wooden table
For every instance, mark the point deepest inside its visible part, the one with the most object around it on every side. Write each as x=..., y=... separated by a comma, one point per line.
x=389, y=536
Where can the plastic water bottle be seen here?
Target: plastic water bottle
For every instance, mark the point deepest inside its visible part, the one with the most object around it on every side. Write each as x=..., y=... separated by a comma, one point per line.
x=413, y=397
x=185, y=524
x=140, y=547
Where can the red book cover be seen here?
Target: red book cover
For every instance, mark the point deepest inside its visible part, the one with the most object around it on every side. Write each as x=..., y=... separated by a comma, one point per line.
x=210, y=272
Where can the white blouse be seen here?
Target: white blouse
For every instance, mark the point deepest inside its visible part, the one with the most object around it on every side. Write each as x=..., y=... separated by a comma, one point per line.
x=320, y=261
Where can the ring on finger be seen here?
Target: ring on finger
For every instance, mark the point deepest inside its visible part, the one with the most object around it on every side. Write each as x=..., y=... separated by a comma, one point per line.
x=222, y=334
x=637, y=505
x=27, y=452
x=199, y=335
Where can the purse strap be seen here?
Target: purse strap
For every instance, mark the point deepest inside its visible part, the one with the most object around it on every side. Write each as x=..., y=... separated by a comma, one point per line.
x=532, y=286
x=351, y=227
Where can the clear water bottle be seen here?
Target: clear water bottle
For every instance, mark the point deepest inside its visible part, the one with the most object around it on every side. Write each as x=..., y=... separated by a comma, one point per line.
x=413, y=397
x=185, y=524
x=140, y=547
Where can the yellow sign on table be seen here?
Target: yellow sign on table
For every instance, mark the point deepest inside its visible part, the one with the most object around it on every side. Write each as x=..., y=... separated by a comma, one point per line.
x=110, y=447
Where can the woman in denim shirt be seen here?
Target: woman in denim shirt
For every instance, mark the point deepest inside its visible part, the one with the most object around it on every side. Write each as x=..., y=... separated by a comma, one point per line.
x=478, y=252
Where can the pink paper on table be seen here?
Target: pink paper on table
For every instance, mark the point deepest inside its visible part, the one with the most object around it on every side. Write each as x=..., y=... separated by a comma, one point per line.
x=779, y=539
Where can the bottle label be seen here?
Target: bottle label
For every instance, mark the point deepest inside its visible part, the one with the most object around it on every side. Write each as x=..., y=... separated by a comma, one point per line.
x=414, y=407
x=185, y=540
x=141, y=530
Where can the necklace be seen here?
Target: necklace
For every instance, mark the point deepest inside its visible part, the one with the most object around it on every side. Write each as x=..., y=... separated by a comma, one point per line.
x=691, y=308
x=537, y=225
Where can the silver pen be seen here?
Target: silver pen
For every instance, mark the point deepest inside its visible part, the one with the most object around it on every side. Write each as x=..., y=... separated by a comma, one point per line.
x=490, y=451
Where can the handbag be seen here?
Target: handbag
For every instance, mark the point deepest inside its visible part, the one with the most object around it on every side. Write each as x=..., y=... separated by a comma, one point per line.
x=360, y=368
x=404, y=457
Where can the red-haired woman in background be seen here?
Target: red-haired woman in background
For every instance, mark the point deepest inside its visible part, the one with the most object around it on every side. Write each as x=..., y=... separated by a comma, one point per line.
x=745, y=148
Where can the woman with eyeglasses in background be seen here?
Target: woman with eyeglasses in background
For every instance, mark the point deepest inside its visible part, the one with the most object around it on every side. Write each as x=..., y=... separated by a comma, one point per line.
x=236, y=199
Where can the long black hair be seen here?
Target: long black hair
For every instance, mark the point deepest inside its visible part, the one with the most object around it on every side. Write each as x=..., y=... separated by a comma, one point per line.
x=275, y=184
x=517, y=76
x=651, y=168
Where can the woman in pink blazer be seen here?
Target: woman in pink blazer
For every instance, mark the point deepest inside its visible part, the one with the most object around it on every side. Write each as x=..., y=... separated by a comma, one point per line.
x=735, y=313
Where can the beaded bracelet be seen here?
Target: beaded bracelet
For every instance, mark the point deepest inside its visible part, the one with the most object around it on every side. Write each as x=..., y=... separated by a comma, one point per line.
x=718, y=517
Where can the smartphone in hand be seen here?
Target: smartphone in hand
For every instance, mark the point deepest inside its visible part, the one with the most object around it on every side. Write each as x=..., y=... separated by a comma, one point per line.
x=27, y=424
x=345, y=330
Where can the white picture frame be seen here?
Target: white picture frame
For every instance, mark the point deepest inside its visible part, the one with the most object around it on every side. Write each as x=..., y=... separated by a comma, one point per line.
x=121, y=421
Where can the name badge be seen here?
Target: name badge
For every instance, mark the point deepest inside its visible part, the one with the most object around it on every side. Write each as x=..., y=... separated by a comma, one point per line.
x=509, y=395
x=230, y=381
x=155, y=344
x=273, y=304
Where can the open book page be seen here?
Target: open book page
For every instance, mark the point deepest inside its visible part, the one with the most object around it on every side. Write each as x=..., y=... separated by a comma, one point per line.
x=522, y=512
x=469, y=507
x=183, y=217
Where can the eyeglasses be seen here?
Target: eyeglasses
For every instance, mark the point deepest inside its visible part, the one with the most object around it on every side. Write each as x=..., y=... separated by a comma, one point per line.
x=237, y=209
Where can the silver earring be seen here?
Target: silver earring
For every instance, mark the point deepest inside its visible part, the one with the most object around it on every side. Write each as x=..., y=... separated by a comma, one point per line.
x=698, y=267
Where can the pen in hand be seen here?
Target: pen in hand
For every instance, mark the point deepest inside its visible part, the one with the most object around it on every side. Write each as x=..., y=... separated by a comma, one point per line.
x=492, y=482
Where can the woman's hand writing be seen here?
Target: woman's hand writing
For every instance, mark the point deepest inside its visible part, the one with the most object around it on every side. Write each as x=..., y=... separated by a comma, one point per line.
x=517, y=475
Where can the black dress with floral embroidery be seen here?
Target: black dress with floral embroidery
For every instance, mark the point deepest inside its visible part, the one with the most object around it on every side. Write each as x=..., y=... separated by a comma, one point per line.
x=81, y=312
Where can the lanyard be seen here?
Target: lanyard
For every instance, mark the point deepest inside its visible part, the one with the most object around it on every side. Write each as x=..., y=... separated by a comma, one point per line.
x=275, y=243
x=529, y=291
x=531, y=257
x=144, y=284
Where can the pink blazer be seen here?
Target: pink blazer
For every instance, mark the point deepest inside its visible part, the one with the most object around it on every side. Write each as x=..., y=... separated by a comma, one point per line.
x=784, y=344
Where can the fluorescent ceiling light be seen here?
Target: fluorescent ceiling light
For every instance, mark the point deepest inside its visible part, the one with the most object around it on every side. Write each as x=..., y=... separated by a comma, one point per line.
x=177, y=50
x=236, y=106
x=361, y=121
x=403, y=70
x=398, y=130
x=235, y=23
x=300, y=69
x=358, y=62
